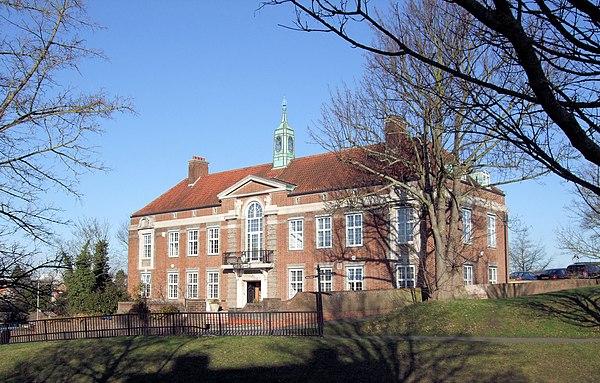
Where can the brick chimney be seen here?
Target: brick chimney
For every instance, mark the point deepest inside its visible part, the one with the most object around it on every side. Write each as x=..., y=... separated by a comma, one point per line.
x=395, y=130
x=197, y=167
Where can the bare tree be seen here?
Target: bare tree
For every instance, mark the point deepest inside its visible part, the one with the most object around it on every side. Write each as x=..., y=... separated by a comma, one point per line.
x=92, y=231
x=525, y=254
x=431, y=147
x=547, y=101
x=85, y=230
x=23, y=278
x=581, y=239
x=122, y=240
x=45, y=122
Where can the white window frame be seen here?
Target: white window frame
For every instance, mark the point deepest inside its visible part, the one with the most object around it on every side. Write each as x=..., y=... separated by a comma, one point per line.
x=467, y=225
x=468, y=274
x=406, y=221
x=353, y=283
x=192, y=279
x=324, y=232
x=492, y=275
x=354, y=230
x=491, y=230
x=212, y=242
x=146, y=245
x=212, y=284
x=296, y=281
x=254, y=231
x=193, y=242
x=145, y=285
x=406, y=276
x=172, y=285
x=296, y=234
x=326, y=279
x=173, y=244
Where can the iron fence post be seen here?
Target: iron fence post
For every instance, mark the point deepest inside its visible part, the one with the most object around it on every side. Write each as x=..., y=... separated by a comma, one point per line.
x=320, y=321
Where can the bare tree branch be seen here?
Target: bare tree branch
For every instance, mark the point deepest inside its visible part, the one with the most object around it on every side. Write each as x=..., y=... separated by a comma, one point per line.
x=44, y=124
x=45, y=128
x=548, y=51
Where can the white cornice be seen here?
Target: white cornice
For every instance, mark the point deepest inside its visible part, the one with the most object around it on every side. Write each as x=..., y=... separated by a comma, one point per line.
x=271, y=184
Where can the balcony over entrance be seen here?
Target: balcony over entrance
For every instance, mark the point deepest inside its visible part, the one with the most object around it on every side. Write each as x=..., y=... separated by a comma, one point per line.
x=247, y=258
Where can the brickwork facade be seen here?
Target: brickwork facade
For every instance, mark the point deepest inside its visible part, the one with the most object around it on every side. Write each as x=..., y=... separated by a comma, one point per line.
x=260, y=232
x=290, y=234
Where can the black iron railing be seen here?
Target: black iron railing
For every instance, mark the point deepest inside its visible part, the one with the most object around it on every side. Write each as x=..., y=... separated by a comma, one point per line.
x=280, y=323
x=245, y=257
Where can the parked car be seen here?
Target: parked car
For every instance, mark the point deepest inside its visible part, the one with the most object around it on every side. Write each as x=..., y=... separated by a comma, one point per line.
x=553, y=274
x=522, y=276
x=583, y=270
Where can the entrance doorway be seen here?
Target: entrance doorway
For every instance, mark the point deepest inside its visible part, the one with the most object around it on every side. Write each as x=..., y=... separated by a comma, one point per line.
x=253, y=292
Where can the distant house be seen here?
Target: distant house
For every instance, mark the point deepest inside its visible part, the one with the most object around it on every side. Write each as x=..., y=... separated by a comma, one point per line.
x=258, y=232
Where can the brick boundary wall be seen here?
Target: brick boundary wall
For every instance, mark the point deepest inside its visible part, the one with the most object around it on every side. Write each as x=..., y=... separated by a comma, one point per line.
x=124, y=307
x=523, y=288
x=336, y=305
x=349, y=304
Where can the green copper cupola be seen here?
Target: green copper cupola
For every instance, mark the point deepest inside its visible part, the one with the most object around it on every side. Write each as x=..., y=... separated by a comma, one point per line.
x=284, y=148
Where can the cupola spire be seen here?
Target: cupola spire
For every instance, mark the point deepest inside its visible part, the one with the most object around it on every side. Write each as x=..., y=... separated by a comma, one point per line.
x=284, y=150
x=284, y=110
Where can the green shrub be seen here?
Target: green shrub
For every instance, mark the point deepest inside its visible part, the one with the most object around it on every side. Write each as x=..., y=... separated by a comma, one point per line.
x=169, y=309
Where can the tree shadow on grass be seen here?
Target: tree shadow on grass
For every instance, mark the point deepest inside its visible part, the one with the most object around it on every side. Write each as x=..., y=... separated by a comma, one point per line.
x=97, y=360
x=332, y=359
x=415, y=359
x=345, y=356
x=579, y=307
x=350, y=361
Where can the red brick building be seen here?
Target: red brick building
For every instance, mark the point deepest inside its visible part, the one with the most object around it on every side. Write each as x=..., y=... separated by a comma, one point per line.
x=247, y=234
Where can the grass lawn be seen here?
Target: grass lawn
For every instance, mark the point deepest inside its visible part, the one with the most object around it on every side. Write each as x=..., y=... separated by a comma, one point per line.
x=563, y=314
x=356, y=359
x=262, y=359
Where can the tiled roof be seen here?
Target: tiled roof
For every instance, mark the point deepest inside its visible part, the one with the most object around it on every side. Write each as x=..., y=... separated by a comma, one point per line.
x=311, y=174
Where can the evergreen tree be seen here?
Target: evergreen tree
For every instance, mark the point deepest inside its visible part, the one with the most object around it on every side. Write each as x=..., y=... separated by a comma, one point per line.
x=100, y=266
x=121, y=279
x=80, y=283
x=66, y=262
x=90, y=288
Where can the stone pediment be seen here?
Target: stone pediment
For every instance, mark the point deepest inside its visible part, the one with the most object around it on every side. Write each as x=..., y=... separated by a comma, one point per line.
x=254, y=185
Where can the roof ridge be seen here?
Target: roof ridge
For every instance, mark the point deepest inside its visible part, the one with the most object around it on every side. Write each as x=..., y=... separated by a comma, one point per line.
x=271, y=164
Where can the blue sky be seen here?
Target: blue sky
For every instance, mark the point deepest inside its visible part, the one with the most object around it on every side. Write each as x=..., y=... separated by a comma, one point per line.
x=207, y=78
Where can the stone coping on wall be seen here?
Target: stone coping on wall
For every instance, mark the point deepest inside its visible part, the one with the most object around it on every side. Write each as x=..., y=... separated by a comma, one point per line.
x=354, y=304
x=517, y=289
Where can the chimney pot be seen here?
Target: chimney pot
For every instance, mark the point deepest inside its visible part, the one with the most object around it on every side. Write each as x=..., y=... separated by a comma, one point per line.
x=197, y=168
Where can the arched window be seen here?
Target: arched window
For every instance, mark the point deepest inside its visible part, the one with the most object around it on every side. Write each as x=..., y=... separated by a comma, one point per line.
x=254, y=231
